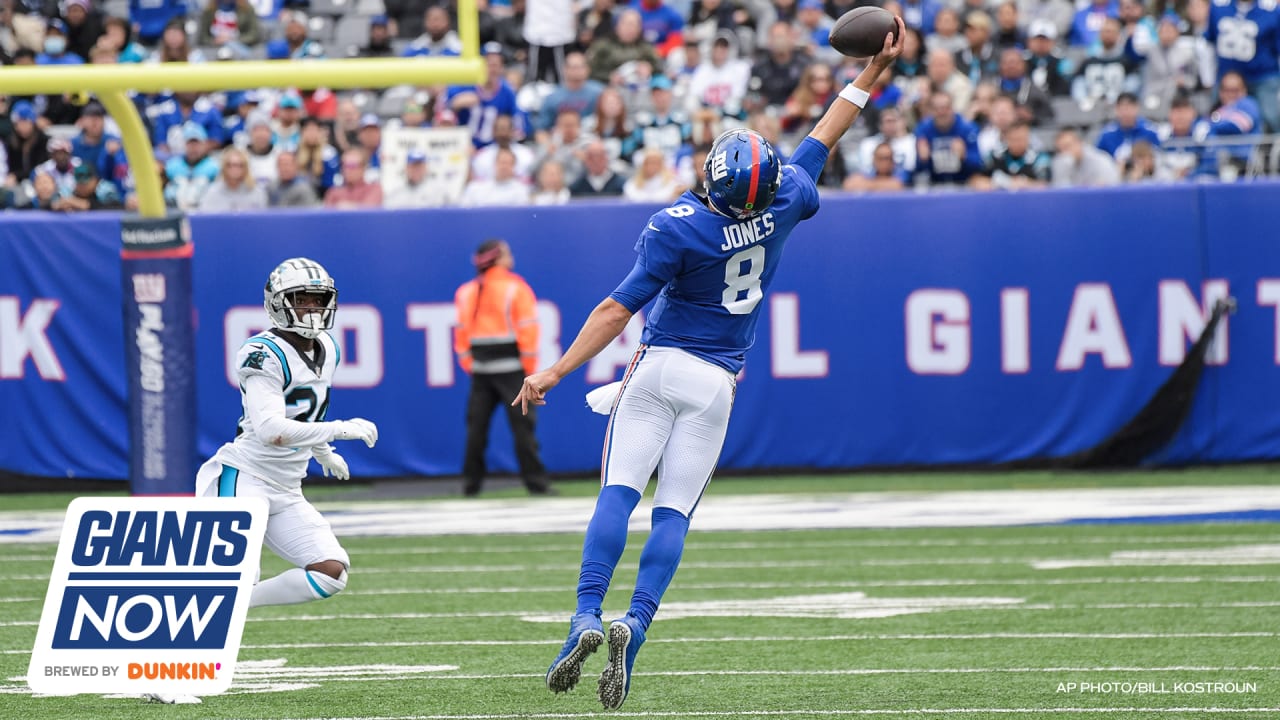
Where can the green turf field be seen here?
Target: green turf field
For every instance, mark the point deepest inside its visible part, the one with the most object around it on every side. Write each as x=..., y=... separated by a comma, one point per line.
x=1161, y=621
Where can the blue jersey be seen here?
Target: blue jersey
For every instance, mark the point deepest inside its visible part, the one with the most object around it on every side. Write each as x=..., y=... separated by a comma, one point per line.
x=713, y=271
x=1118, y=141
x=944, y=165
x=1246, y=42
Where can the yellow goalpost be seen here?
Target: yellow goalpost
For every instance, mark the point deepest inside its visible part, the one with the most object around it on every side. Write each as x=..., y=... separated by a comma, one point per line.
x=111, y=84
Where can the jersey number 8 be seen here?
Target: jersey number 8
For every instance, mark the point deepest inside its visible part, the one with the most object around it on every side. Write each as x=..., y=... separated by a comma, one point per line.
x=738, y=281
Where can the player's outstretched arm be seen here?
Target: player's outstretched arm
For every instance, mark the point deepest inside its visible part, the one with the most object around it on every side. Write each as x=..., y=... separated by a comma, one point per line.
x=604, y=324
x=840, y=116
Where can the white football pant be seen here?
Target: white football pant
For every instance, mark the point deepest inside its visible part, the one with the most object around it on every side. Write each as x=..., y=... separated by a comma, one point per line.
x=671, y=414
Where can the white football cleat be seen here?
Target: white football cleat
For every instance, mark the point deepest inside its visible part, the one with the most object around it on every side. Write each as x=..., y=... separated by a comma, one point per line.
x=171, y=699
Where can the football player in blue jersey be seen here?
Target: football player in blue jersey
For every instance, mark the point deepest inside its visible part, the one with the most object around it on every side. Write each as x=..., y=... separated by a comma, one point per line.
x=708, y=261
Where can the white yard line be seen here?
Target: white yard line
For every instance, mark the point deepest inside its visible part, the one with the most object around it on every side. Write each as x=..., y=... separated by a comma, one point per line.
x=747, y=712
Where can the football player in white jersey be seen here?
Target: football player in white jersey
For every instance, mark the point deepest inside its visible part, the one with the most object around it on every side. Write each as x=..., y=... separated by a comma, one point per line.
x=285, y=374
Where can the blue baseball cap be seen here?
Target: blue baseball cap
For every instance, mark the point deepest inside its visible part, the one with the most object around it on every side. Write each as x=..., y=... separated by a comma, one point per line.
x=382, y=20
x=291, y=100
x=369, y=119
x=194, y=131
x=24, y=110
x=416, y=156
x=660, y=82
x=56, y=24
x=811, y=5
x=491, y=48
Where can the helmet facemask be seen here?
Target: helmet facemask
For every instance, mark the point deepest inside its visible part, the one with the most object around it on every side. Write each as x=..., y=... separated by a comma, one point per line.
x=300, y=297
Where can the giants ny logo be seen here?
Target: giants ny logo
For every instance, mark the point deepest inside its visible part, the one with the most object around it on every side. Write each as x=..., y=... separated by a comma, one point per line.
x=148, y=595
x=719, y=166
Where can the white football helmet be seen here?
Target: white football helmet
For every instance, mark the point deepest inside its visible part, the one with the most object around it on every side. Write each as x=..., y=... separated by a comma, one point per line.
x=291, y=278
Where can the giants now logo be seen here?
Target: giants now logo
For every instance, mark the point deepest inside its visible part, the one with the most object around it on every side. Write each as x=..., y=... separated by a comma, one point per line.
x=148, y=595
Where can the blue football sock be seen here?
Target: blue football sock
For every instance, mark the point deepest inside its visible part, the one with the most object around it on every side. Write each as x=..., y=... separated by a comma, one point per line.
x=603, y=546
x=658, y=562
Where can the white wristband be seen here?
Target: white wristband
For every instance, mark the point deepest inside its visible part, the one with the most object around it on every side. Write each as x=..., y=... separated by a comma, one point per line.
x=855, y=95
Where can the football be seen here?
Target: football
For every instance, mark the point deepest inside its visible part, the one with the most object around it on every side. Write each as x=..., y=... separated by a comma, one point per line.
x=860, y=32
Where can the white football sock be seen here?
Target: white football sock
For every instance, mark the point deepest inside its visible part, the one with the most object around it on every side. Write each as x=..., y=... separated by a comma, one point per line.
x=296, y=586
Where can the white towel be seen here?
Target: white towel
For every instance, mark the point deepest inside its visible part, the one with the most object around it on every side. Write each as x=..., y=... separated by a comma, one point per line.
x=601, y=399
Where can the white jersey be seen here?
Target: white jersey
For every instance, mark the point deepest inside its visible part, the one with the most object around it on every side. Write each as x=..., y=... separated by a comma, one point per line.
x=302, y=385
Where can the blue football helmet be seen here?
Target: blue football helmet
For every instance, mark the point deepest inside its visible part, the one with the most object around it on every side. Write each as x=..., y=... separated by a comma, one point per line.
x=743, y=172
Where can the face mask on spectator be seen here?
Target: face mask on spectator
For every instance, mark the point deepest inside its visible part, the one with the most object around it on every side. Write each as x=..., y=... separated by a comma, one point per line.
x=55, y=45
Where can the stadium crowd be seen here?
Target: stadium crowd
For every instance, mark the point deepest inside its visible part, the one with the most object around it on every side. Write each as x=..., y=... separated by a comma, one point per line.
x=590, y=98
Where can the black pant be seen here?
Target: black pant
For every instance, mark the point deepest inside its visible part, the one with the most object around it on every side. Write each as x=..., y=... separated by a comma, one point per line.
x=488, y=391
x=545, y=63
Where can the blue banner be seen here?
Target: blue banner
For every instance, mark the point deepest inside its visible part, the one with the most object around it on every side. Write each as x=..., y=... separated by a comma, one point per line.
x=901, y=330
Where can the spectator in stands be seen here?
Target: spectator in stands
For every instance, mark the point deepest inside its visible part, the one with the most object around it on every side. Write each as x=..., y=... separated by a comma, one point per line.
x=978, y=60
x=231, y=24
x=1035, y=106
x=89, y=193
x=369, y=139
x=240, y=106
x=595, y=22
x=1237, y=114
x=578, y=93
x=1137, y=27
x=920, y=14
x=168, y=116
x=175, y=46
x=417, y=191
x=984, y=95
x=504, y=188
x=809, y=100
x=1048, y=70
x=598, y=178
x=549, y=30
x=191, y=173
x=287, y=125
x=414, y=115
x=1107, y=71
x=61, y=165
x=1171, y=65
x=98, y=149
x=654, y=180
x=610, y=122
x=893, y=132
x=944, y=77
x=1142, y=167
x=1247, y=38
x=117, y=35
x=1180, y=139
x=379, y=44
x=84, y=27
x=626, y=45
x=1017, y=165
x=813, y=26
x=27, y=147
x=291, y=188
x=1118, y=136
x=721, y=80
x=550, y=188
x=1089, y=20
x=881, y=175
x=991, y=134
x=355, y=191
x=947, y=33
x=1077, y=164
x=153, y=17
x=912, y=63
x=663, y=25
x=947, y=145
x=694, y=170
x=566, y=143
x=346, y=126
x=235, y=190
x=407, y=16
x=296, y=45
x=44, y=193
x=1008, y=31
x=664, y=128
x=55, y=46
x=778, y=70
x=1058, y=14
x=438, y=38
x=484, y=161
x=478, y=106
x=261, y=150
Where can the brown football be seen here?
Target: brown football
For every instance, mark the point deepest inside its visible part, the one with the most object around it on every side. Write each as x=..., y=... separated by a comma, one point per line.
x=860, y=32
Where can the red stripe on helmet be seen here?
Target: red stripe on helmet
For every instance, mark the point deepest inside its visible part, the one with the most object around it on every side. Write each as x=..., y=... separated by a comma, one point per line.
x=755, y=172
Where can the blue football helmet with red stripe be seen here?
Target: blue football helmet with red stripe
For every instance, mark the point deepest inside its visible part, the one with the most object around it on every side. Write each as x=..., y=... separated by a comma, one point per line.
x=743, y=171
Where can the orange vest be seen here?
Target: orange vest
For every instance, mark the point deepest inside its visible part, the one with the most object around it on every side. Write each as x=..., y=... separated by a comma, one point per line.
x=497, y=328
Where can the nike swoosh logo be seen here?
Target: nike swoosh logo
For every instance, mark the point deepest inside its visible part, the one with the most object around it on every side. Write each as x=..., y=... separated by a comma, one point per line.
x=654, y=227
